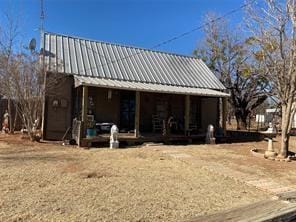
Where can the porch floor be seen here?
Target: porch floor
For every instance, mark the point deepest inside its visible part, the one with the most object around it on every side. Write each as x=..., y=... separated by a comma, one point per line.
x=130, y=139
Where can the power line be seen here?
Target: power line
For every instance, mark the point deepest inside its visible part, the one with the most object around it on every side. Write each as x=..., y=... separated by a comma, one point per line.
x=173, y=38
x=203, y=25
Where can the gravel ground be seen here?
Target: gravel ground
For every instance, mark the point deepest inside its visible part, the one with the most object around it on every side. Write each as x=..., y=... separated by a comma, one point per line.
x=49, y=182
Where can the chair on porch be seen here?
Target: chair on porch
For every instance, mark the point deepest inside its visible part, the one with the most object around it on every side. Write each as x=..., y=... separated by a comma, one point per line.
x=193, y=126
x=157, y=123
x=192, y=129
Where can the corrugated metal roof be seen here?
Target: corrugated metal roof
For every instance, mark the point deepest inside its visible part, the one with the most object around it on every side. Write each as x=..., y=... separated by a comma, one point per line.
x=77, y=56
x=146, y=87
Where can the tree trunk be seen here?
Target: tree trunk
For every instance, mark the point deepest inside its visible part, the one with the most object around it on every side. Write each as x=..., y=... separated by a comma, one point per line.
x=9, y=115
x=14, y=121
x=241, y=122
x=244, y=122
x=237, y=122
x=229, y=118
x=286, y=111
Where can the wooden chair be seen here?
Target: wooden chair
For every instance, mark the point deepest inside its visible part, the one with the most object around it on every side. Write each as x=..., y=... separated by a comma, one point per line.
x=157, y=123
x=192, y=129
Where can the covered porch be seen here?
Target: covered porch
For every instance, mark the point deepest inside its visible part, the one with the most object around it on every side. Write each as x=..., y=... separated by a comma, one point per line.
x=146, y=112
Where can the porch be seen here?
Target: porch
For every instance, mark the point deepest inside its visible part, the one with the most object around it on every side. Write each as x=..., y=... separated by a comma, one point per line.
x=146, y=116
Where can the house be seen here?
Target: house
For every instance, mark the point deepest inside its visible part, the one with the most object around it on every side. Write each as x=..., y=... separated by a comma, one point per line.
x=144, y=92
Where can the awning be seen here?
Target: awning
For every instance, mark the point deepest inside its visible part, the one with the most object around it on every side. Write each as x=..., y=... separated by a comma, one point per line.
x=146, y=87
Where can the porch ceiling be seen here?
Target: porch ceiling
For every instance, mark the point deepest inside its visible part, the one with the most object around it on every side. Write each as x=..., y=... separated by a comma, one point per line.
x=146, y=87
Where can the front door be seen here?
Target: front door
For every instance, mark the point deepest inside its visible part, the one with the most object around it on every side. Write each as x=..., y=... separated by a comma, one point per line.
x=127, y=111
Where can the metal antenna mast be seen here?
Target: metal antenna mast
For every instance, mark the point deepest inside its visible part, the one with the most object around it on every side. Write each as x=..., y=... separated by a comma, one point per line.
x=42, y=62
x=42, y=16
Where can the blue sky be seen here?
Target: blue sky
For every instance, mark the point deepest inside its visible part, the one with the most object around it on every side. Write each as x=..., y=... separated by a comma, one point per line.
x=142, y=23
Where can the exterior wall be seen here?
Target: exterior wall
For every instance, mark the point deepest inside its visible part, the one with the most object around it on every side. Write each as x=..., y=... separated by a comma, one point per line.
x=57, y=118
x=209, y=112
x=105, y=109
x=108, y=110
x=173, y=105
x=177, y=106
x=206, y=110
x=195, y=111
x=147, y=109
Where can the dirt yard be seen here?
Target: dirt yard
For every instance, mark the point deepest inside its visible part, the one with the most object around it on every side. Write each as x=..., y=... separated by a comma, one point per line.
x=50, y=182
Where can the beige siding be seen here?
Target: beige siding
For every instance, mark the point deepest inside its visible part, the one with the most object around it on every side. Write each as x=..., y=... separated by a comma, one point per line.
x=59, y=118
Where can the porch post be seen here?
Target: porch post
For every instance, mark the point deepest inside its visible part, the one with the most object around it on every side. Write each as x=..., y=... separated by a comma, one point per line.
x=137, y=114
x=187, y=113
x=224, y=114
x=84, y=107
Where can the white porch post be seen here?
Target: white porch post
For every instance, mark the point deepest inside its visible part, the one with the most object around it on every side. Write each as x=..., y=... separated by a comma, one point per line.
x=187, y=113
x=137, y=114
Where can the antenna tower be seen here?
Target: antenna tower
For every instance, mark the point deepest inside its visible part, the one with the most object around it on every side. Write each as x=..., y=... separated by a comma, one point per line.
x=41, y=15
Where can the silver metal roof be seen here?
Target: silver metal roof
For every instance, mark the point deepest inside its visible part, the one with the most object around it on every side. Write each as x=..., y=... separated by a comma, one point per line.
x=146, y=87
x=88, y=58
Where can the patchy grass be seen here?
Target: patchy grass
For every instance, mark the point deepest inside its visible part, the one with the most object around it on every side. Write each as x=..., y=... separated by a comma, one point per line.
x=50, y=182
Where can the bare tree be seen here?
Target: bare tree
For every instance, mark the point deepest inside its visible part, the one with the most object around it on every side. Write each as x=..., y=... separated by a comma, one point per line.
x=273, y=25
x=19, y=76
x=22, y=77
x=23, y=84
x=228, y=56
x=8, y=39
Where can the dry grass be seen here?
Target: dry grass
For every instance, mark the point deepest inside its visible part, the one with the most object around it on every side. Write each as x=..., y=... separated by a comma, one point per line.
x=46, y=182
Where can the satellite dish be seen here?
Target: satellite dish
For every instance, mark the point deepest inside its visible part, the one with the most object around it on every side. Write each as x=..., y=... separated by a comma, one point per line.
x=32, y=44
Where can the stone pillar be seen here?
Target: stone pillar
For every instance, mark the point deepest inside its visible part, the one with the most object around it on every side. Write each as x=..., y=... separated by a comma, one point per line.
x=270, y=133
x=137, y=114
x=224, y=114
x=187, y=113
x=84, y=108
